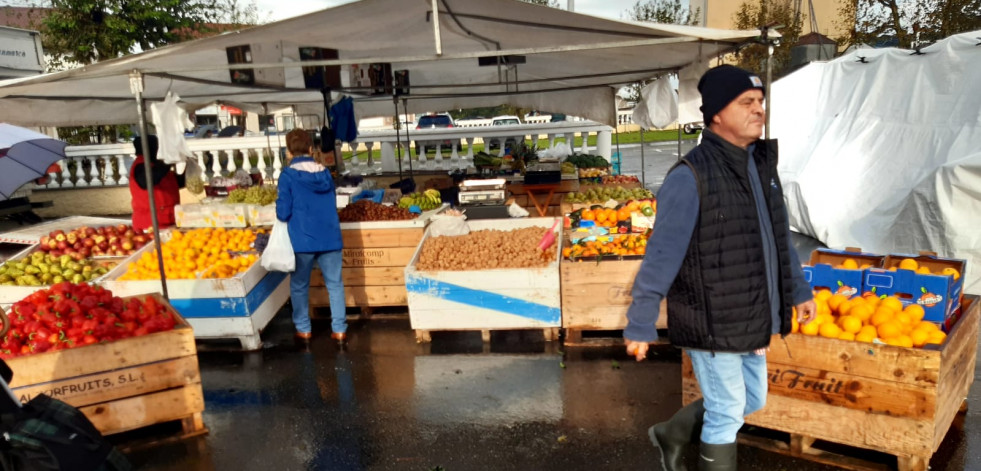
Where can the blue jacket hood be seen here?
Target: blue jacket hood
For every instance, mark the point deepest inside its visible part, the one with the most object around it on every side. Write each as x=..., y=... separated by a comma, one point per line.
x=317, y=182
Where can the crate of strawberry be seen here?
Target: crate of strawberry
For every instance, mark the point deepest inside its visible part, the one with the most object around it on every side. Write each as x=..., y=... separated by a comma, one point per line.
x=106, y=355
x=69, y=315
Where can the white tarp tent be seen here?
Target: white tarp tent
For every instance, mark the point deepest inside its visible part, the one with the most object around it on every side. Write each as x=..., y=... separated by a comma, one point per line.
x=881, y=149
x=572, y=62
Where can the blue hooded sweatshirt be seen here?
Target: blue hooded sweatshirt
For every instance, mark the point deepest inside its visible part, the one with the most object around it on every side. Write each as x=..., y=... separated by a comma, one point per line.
x=308, y=203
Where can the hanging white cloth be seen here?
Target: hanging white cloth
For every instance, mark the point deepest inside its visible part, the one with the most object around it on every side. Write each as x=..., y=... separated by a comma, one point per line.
x=658, y=105
x=688, y=97
x=170, y=121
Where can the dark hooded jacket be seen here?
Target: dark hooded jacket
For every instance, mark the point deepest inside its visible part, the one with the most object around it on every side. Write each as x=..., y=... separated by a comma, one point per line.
x=308, y=203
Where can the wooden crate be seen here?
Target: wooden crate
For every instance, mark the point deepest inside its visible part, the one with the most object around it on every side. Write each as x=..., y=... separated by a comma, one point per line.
x=374, y=267
x=485, y=300
x=894, y=400
x=595, y=296
x=125, y=384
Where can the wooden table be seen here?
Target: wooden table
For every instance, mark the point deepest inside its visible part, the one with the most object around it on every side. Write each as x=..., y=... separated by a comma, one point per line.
x=541, y=206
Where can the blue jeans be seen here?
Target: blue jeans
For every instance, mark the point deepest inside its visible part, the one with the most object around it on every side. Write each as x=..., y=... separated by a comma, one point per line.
x=330, y=266
x=733, y=386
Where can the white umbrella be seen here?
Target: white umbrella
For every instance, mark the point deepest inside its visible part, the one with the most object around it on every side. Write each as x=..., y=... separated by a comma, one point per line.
x=24, y=156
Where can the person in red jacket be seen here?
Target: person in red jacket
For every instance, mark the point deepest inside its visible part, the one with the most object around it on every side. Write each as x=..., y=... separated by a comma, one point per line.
x=166, y=187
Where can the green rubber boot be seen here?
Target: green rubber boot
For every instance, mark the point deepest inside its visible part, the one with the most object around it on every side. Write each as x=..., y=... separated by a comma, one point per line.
x=717, y=457
x=673, y=436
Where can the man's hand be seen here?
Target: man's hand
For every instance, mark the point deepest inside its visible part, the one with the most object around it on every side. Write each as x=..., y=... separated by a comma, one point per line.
x=637, y=349
x=806, y=312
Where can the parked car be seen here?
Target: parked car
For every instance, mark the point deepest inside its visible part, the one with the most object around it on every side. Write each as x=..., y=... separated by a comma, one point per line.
x=495, y=142
x=203, y=130
x=436, y=121
x=692, y=128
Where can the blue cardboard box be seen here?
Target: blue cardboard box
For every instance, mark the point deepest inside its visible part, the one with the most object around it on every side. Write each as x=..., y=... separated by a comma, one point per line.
x=826, y=271
x=939, y=294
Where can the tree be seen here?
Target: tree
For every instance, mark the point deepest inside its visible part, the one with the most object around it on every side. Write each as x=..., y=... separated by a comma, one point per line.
x=906, y=23
x=658, y=11
x=87, y=31
x=754, y=14
x=664, y=11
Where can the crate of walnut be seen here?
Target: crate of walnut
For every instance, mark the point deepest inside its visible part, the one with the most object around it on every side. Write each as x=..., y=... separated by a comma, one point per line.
x=487, y=299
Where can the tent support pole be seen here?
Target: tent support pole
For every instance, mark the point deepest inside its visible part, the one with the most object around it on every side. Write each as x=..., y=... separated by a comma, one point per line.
x=643, y=166
x=398, y=135
x=136, y=86
x=439, y=42
x=408, y=142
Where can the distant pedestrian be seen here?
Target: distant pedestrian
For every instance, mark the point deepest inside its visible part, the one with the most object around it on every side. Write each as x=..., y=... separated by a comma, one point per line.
x=721, y=254
x=307, y=202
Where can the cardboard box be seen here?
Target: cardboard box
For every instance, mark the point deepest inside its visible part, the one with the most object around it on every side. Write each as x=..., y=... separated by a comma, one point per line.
x=824, y=270
x=940, y=295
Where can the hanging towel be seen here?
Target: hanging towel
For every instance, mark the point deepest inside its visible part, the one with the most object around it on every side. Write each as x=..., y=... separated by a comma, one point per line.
x=342, y=120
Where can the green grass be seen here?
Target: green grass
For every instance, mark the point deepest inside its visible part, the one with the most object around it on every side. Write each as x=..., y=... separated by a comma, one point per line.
x=622, y=138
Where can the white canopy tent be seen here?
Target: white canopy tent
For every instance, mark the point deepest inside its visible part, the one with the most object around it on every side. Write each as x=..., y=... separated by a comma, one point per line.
x=881, y=149
x=572, y=63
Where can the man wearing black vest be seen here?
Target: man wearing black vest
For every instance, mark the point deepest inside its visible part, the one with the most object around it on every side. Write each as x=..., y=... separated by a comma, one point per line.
x=721, y=254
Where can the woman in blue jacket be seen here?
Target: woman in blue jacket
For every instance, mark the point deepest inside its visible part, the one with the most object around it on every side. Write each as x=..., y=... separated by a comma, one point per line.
x=307, y=202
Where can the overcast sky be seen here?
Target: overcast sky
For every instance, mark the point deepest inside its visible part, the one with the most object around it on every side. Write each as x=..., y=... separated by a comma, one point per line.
x=274, y=10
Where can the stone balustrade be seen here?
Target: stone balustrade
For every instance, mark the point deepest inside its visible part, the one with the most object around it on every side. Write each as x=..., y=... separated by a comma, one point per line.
x=374, y=153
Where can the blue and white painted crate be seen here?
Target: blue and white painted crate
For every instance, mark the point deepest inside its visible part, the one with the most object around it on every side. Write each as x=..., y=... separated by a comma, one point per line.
x=508, y=298
x=237, y=307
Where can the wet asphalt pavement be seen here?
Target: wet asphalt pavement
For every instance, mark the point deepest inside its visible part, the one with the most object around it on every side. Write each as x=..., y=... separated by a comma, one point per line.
x=387, y=403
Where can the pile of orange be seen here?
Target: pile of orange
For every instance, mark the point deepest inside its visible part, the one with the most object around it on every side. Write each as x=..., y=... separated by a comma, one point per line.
x=206, y=252
x=869, y=317
x=609, y=217
x=630, y=244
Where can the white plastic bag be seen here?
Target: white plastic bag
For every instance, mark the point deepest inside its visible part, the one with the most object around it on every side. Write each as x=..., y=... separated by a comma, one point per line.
x=170, y=121
x=448, y=225
x=516, y=211
x=278, y=255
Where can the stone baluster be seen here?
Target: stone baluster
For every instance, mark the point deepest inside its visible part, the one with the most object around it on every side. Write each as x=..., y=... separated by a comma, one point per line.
x=277, y=166
x=247, y=160
x=215, y=163
x=534, y=140
x=422, y=157
x=551, y=140
x=454, y=160
x=230, y=162
x=467, y=160
x=570, y=139
x=199, y=157
x=66, y=177
x=355, y=162
x=123, y=170
x=584, y=149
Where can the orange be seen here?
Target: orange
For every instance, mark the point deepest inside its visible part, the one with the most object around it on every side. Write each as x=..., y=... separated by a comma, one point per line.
x=850, y=324
x=834, y=302
x=829, y=330
x=849, y=264
x=869, y=330
x=846, y=336
x=822, y=294
x=880, y=316
x=822, y=308
x=892, y=302
x=794, y=324
x=864, y=337
x=588, y=215
x=950, y=271
x=903, y=319
x=908, y=264
x=923, y=270
x=888, y=330
x=919, y=337
x=937, y=337
x=810, y=329
x=861, y=311
x=915, y=312
x=871, y=299
x=904, y=341
x=845, y=307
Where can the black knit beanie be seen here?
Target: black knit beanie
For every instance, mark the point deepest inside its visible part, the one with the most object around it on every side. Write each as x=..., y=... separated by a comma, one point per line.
x=722, y=84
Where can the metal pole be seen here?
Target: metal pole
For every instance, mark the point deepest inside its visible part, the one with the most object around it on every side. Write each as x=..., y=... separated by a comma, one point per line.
x=408, y=142
x=643, y=165
x=439, y=42
x=769, y=85
x=136, y=87
x=398, y=135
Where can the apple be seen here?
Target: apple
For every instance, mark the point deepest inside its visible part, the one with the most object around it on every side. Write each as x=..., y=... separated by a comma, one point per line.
x=60, y=237
x=85, y=252
x=99, y=238
x=101, y=231
x=129, y=233
x=139, y=239
x=122, y=228
x=113, y=238
x=120, y=252
x=62, y=245
x=88, y=242
x=77, y=245
x=127, y=244
x=114, y=246
x=88, y=231
x=102, y=245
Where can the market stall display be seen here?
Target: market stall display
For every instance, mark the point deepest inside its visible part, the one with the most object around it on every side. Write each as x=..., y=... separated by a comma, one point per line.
x=137, y=367
x=888, y=398
x=79, y=254
x=213, y=281
x=597, y=278
x=32, y=235
x=496, y=277
x=376, y=251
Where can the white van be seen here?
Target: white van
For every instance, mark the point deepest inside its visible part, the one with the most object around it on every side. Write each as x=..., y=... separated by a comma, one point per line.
x=495, y=142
